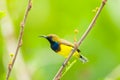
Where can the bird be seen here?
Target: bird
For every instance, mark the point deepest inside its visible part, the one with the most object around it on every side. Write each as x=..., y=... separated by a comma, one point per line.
x=63, y=47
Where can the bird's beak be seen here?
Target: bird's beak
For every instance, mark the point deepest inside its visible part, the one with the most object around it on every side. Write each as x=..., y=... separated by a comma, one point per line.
x=43, y=36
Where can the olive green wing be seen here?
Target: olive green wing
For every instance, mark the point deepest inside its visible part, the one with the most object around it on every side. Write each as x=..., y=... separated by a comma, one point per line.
x=65, y=42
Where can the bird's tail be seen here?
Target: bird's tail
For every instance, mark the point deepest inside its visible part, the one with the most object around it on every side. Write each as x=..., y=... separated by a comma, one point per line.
x=83, y=59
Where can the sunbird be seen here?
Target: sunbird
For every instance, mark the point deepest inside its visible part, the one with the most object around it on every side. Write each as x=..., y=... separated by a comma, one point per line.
x=63, y=47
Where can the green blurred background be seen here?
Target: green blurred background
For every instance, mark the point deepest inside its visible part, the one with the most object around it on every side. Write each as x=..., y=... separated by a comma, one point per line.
x=61, y=17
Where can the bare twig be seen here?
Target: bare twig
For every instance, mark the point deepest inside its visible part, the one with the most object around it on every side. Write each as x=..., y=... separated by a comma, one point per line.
x=10, y=66
x=59, y=73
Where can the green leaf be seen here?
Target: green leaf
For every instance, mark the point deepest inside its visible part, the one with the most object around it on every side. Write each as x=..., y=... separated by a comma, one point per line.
x=69, y=66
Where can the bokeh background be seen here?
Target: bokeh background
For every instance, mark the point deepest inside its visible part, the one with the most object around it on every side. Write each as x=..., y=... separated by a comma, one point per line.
x=36, y=61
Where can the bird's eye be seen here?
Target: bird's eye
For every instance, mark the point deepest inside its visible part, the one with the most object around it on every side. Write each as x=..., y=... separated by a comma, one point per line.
x=50, y=37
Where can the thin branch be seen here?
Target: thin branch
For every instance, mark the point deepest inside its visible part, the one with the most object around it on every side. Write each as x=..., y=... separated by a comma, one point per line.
x=10, y=66
x=59, y=73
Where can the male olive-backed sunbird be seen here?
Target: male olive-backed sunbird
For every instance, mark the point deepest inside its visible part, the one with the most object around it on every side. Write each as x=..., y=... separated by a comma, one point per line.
x=63, y=47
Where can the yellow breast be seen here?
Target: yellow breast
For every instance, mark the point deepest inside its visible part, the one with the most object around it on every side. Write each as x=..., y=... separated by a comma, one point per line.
x=65, y=50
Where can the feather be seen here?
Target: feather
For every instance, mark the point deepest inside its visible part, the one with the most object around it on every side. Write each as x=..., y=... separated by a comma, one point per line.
x=65, y=42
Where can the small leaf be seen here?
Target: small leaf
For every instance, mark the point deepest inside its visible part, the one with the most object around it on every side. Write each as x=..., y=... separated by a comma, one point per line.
x=76, y=31
x=95, y=10
x=69, y=66
x=11, y=55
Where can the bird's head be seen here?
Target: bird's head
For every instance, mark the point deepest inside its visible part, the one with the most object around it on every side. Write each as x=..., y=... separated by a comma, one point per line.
x=51, y=38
